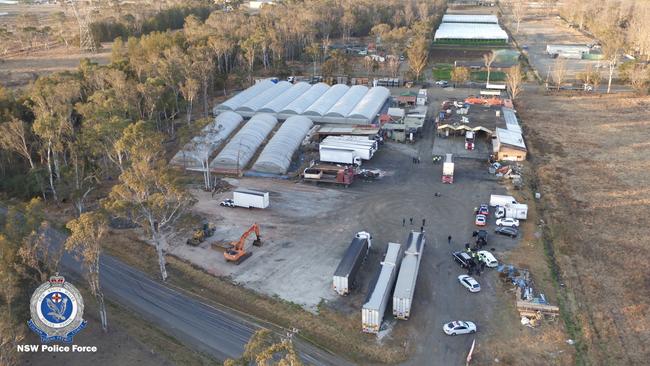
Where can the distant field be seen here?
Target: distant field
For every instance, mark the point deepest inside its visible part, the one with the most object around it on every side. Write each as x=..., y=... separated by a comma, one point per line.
x=594, y=177
x=443, y=72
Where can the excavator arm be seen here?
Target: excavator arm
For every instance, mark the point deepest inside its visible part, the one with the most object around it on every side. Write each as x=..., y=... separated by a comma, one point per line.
x=238, y=253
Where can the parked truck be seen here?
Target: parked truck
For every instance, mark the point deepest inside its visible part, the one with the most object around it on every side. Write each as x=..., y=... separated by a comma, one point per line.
x=353, y=140
x=250, y=199
x=501, y=200
x=469, y=140
x=408, y=275
x=372, y=313
x=345, y=274
x=448, y=170
x=341, y=155
x=325, y=173
x=517, y=211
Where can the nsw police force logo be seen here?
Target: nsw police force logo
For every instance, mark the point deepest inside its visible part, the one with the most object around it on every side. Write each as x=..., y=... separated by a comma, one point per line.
x=57, y=311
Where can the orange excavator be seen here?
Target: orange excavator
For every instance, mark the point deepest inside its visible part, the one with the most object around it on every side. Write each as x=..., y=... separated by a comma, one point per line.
x=237, y=253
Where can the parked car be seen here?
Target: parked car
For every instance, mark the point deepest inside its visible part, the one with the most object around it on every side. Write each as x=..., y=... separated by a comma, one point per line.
x=459, y=327
x=228, y=203
x=487, y=258
x=509, y=222
x=469, y=283
x=499, y=212
x=462, y=258
x=483, y=209
x=442, y=83
x=481, y=237
x=401, y=57
x=481, y=220
x=507, y=231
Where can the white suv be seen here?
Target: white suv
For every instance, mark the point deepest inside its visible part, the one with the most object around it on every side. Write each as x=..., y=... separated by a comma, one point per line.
x=510, y=222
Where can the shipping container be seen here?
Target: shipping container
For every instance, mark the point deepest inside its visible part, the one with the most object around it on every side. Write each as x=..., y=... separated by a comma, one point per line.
x=372, y=313
x=501, y=200
x=250, y=199
x=408, y=275
x=341, y=155
x=345, y=274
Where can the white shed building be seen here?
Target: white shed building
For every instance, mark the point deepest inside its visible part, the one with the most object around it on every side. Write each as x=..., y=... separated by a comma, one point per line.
x=258, y=101
x=347, y=102
x=470, y=31
x=282, y=100
x=370, y=104
x=244, y=96
x=307, y=99
x=327, y=100
x=277, y=154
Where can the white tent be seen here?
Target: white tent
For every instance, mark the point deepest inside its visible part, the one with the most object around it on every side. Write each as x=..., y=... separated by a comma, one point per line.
x=470, y=31
x=241, y=148
x=282, y=100
x=327, y=100
x=307, y=99
x=370, y=104
x=470, y=18
x=244, y=96
x=254, y=104
x=277, y=154
x=347, y=102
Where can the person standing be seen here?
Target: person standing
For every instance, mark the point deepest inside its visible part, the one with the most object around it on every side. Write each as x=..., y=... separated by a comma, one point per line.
x=411, y=220
x=449, y=240
x=403, y=221
x=424, y=221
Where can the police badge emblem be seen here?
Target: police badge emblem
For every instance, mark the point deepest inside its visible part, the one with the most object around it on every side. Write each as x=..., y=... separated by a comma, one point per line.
x=57, y=311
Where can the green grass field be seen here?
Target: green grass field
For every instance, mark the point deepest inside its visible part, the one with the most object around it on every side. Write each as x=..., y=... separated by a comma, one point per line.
x=443, y=72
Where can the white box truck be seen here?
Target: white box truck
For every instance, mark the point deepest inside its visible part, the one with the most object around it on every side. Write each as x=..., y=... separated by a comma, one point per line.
x=250, y=199
x=341, y=155
x=517, y=211
x=372, y=313
x=364, y=150
x=501, y=200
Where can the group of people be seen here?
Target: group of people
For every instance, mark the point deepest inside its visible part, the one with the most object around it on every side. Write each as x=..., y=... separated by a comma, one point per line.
x=424, y=221
x=416, y=160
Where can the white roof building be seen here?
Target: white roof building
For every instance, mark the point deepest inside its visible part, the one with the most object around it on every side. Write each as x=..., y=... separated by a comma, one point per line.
x=511, y=120
x=300, y=104
x=510, y=138
x=348, y=101
x=470, y=18
x=477, y=31
x=327, y=100
x=282, y=100
x=241, y=98
x=255, y=103
x=370, y=104
x=277, y=154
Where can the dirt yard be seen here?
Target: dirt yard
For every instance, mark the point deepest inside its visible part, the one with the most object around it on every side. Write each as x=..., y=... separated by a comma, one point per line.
x=589, y=153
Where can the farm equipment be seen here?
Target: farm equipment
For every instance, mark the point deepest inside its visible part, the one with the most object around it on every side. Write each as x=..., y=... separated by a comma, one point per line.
x=237, y=253
x=200, y=235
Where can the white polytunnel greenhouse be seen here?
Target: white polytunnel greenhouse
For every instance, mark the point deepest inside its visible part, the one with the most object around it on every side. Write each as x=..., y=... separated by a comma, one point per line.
x=470, y=18
x=470, y=31
x=276, y=156
x=327, y=100
x=301, y=104
x=242, y=147
x=244, y=96
x=282, y=100
x=370, y=104
x=257, y=102
x=195, y=154
x=347, y=102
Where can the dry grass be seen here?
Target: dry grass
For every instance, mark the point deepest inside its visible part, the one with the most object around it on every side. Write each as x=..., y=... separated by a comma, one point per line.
x=593, y=170
x=329, y=329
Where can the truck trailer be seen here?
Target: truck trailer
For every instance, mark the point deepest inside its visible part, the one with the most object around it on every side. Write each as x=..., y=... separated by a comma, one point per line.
x=250, y=199
x=345, y=274
x=408, y=275
x=501, y=200
x=517, y=211
x=365, y=150
x=327, y=173
x=354, y=139
x=372, y=313
x=448, y=170
x=341, y=155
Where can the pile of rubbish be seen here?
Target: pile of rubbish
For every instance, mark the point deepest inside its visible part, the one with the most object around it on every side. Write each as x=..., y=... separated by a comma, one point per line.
x=512, y=172
x=532, y=308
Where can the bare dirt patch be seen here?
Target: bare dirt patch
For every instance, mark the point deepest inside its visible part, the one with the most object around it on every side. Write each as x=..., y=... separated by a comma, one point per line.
x=593, y=176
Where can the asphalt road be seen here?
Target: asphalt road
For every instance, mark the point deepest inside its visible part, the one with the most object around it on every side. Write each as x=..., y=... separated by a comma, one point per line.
x=206, y=328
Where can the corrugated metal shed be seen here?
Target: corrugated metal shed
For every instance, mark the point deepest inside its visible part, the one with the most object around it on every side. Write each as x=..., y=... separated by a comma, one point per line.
x=194, y=155
x=241, y=148
x=257, y=102
x=470, y=31
x=277, y=154
x=347, y=102
x=511, y=120
x=244, y=96
x=327, y=100
x=307, y=99
x=511, y=138
x=371, y=103
x=282, y=100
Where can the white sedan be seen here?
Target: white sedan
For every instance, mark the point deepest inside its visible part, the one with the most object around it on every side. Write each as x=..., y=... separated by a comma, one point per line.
x=487, y=258
x=510, y=222
x=459, y=327
x=470, y=283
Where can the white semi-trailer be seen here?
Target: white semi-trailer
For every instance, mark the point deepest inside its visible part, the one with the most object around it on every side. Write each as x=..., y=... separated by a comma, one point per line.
x=364, y=151
x=340, y=155
x=408, y=275
x=372, y=313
